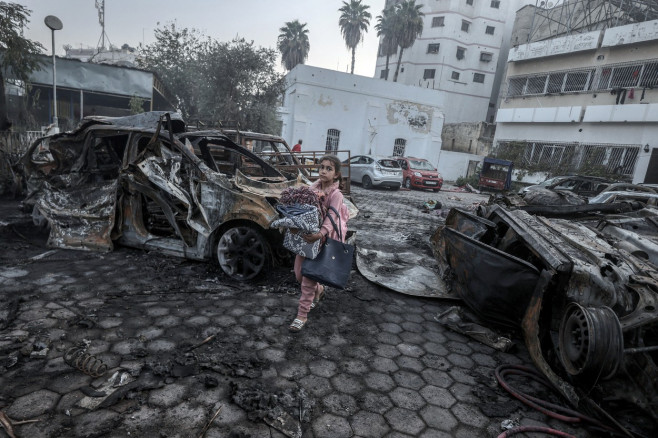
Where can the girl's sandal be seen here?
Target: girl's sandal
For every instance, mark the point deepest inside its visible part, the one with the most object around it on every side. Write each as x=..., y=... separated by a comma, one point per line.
x=296, y=325
x=317, y=300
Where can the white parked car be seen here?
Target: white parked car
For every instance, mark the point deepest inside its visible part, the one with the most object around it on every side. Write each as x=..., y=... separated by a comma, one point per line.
x=373, y=171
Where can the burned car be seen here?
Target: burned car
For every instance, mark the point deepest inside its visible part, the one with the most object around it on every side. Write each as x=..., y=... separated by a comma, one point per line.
x=580, y=184
x=584, y=292
x=136, y=181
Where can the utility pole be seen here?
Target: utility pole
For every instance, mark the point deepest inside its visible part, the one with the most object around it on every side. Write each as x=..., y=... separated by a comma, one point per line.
x=54, y=24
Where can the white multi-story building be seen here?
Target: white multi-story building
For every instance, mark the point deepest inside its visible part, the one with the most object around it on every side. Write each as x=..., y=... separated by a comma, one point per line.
x=461, y=53
x=584, y=102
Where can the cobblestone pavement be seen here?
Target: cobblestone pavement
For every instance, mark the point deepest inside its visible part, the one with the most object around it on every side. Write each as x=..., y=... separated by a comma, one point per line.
x=370, y=363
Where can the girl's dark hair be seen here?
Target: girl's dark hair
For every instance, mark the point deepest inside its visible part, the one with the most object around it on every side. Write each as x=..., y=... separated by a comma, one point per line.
x=336, y=163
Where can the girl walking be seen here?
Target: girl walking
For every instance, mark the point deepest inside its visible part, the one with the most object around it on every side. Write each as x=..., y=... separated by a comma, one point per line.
x=328, y=189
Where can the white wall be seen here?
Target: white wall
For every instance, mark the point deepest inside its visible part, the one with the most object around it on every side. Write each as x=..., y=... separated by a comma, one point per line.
x=453, y=165
x=370, y=114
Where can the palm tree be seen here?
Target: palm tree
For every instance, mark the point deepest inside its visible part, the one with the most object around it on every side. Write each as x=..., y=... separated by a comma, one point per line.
x=410, y=27
x=385, y=27
x=354, y=21
x=293, y=44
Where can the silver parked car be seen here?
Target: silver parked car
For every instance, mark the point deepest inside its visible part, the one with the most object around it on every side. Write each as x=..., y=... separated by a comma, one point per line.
x=373, y=171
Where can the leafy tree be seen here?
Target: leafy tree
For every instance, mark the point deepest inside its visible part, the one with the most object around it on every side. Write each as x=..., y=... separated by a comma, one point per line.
x=409, y=27
x=175, y=57
x=217, y=81
x=386, y=29
x=136, y=105
x=293, y=44
x=240, y=84
x=16, y=52
x=354, y=21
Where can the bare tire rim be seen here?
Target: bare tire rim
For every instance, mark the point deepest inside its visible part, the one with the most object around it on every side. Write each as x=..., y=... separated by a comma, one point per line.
x=241, y=253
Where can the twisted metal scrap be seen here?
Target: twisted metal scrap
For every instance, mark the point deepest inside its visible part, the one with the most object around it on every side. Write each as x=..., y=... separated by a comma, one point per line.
x=77, y=357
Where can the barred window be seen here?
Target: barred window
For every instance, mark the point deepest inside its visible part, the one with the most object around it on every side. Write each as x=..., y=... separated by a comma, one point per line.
x=333, y=137
x=433, y=48
x=454, y=75
x=438, y=21
x=399, y=147
x=383, y=74
x=478, y=77
x=461, y=52
x=495, y=4
x=486, y=56
x=469, y=2
x=606, y=77
x=573, y=157
x=429, y=73
x=465, y=25
x=490, y=30
x=577, y=81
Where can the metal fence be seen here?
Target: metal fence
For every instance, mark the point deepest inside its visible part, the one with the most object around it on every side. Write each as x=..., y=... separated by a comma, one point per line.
x=636, y=74
x=586, y=158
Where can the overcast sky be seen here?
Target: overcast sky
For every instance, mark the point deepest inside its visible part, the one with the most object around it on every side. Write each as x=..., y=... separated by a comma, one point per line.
x=133, y=22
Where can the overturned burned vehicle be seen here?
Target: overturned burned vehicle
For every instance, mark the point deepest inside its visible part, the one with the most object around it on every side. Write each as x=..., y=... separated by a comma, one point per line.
x=584, y=292
x=139, y=181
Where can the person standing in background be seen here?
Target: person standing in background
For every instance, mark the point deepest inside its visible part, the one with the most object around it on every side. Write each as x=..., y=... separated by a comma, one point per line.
x=298, y=146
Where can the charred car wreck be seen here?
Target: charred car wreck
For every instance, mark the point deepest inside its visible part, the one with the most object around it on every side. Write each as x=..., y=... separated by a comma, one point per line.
x=584, y=292
x=142, y=181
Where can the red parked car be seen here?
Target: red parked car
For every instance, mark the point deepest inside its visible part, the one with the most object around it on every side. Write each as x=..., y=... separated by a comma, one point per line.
x=419, y=173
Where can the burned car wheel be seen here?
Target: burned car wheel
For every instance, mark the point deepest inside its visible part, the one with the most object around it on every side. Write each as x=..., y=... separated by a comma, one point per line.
x=591, y=341
x=407, y=183
x=242, y=253
x=367, y=182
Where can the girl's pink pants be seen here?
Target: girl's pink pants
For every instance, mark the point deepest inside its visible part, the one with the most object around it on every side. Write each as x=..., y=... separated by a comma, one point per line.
x=308, y=289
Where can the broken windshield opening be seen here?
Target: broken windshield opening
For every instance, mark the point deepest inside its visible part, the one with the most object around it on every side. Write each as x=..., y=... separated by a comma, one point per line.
x=421, y=165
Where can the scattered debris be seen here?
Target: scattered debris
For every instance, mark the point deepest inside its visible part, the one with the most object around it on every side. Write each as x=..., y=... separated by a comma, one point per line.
x=44, y=255
x=108, y=388
x=431, y=205
x=272, y=408
x=78, y=357
x=509, y=424
x=205, y=429
x=461, y=321
x=400, y=263
x=208, y=339
x=8, y=424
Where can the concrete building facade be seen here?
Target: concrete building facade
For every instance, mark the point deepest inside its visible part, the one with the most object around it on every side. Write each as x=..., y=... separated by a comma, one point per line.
x=583, y=102
x=460, y=53
x=331, y=110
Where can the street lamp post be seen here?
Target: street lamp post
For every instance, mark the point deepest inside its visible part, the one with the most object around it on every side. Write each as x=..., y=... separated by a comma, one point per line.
x=54, y=24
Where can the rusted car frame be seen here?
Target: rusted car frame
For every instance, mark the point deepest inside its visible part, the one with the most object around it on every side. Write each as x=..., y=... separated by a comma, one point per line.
x=585, y=295
x=132, y=181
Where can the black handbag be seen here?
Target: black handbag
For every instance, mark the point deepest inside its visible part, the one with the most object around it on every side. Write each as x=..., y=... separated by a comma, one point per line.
x=333, y=265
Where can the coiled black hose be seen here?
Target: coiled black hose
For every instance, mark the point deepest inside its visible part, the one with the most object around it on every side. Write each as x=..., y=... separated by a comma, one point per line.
x=550, y=409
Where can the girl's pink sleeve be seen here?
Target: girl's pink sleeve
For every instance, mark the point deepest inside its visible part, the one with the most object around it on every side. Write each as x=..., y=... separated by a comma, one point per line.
x=335, y=201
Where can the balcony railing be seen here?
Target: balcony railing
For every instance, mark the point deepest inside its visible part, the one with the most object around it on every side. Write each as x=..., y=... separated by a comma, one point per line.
x=636, y=74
